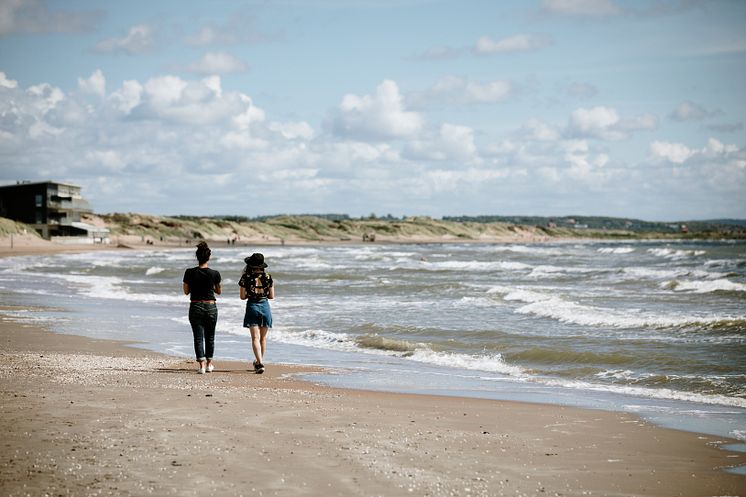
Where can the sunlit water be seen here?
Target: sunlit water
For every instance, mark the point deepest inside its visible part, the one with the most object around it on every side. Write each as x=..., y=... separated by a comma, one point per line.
x=656, y=328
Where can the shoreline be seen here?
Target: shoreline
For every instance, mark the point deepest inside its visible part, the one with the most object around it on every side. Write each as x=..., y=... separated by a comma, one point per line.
x=97, y=414
x=36, y=246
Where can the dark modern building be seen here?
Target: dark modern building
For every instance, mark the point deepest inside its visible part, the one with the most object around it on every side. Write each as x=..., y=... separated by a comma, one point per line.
x=52, y=209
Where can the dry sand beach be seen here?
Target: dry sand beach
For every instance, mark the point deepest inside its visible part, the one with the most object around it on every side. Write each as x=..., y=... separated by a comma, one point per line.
x=94, y=417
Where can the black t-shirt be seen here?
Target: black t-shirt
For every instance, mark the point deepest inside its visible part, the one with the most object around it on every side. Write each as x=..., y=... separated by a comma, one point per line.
x=201, y=281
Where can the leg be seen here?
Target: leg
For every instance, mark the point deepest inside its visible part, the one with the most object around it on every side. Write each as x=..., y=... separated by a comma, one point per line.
x=198, y=332
x=210, y=321
x=256, y=343
x=263, y=330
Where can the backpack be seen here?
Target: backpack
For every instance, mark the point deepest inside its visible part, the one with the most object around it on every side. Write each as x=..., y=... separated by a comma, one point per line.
x=257, y=285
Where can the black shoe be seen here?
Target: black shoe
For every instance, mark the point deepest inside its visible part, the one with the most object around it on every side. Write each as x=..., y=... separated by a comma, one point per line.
x=258, y=367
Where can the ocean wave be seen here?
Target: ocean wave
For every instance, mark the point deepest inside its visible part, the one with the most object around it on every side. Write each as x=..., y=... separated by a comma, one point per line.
x=555, y=307
x=549, y=271
x=110, y=288
x=554, y=356
x=382, y=343
x=615, y=250
x=739, y=434
x=474, y=266
x=372, y=344
x=659, y=274
x=710, y=286
x=675, y=255
x=154, y=270
x=526, y=249
x=646, y=392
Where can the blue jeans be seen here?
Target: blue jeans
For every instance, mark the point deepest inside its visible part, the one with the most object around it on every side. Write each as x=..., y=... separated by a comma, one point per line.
x=203, y=316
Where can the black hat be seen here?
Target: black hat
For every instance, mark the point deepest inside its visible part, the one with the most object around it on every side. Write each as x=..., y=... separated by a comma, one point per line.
x=256, y=260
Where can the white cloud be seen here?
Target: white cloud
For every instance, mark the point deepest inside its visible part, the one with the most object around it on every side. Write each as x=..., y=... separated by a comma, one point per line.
x=690, y=111
x=217, y=63
x=678, y=153
x=7, y=83
x=127, y=147
x=491, y=92
x=138, y=40
x=537, y=129
x=238, y=29
x=95, y=84
x=450, y=143
x=375, y=117
x=458, y=142
x=715, y=147
x=581, y=8
x=456, y=90
x=596, y=121
x=517, y=43
x=127, y=97
x=293, y=130
x=605, y=123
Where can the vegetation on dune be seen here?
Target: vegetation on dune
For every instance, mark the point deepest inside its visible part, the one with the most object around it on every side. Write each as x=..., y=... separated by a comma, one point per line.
x=9, y=227
x=337, y=227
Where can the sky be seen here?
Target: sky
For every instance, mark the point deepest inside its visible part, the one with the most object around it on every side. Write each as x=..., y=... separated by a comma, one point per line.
x=402, y=107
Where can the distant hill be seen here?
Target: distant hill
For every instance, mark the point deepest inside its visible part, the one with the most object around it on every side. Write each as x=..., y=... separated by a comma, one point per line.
x=340, y=227
x=735, y=228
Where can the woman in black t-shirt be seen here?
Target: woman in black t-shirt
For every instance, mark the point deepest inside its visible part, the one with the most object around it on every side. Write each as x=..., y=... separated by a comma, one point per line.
x=202, y=283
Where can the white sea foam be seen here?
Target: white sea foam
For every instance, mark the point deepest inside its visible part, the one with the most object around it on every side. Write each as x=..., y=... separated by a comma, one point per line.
x=110, y=287
x=616, y=250
x=675, y=254
x=347, y=343
x=475, y=266
x=493, y=363
x=548, y=271
x=646, y=392
x=739, y=434
x=154, y=270
x=524, y=249
x=721, y=285
x=658, y=274
x=555, y=307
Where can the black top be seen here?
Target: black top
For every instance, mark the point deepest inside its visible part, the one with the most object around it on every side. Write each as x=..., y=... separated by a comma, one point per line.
x=257, y=285
x=201, y=281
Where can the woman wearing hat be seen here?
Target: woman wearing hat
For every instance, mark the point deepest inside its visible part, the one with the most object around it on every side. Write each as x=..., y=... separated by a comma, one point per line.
x=257, y=288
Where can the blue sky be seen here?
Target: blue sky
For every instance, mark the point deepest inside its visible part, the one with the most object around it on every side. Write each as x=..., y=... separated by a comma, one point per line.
x=546, y=107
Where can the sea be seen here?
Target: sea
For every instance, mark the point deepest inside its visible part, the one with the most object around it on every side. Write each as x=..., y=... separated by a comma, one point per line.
x=655, y=328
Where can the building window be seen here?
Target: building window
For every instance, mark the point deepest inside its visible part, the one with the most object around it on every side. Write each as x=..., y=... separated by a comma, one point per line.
x=39, y=201
x=39, y=218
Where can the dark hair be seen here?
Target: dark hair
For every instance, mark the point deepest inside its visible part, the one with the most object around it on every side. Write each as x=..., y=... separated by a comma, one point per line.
x=203, y=252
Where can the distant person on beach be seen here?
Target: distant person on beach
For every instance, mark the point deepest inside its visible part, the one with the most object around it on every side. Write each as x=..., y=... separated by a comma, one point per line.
x=257, y=288
x=202, y=283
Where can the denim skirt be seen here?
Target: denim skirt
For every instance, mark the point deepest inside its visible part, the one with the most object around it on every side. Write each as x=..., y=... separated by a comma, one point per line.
x=258, y=314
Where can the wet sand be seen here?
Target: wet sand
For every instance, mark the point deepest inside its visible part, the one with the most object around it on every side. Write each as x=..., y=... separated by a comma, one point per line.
x=96, y=417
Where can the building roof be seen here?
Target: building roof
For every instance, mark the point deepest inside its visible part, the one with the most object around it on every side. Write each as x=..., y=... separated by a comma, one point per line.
x=27, y=183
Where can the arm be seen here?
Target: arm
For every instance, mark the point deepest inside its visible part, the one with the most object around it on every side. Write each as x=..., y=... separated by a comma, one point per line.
x=242, y=293
x=186, y=288
x=271, y=292
x=218, y=289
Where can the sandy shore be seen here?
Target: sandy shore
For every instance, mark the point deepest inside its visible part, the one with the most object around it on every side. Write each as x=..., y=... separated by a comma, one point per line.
x=94, y=417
